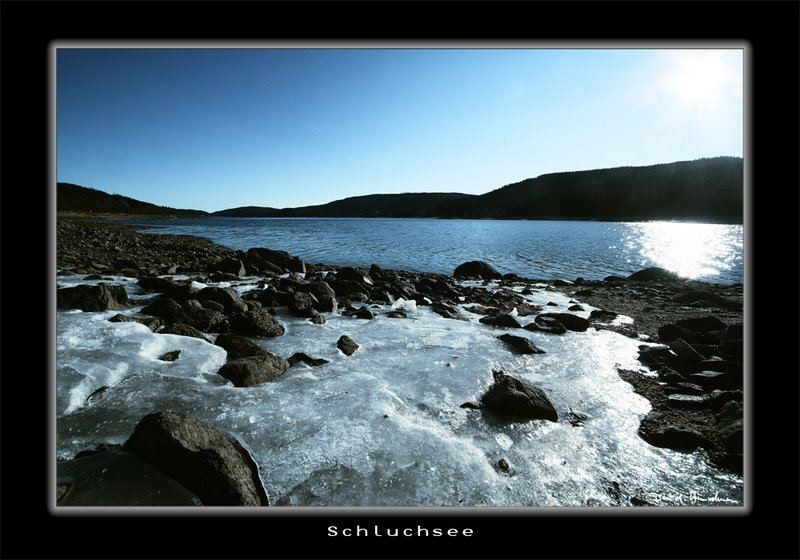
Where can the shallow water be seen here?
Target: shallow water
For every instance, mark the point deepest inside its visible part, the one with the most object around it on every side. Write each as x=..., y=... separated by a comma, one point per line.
x=530, y=248
x=383, y=427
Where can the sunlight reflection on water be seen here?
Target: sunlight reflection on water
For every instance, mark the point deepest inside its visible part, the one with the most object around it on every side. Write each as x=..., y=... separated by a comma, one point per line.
x=545, y=249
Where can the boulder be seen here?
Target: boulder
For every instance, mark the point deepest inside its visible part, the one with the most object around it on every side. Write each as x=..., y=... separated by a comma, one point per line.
x=351, y=274
x=503, y=320
x=576, y=307
x=447, y=311
x=476, y=269
x=227, y=297
x=239, y=346
x=93, y=297
x=704, y=324
x=678, y=400
x=652, y=274
x=230, y=265
x=166, y=286
x=542, y=323
x=730, y=426
x=346, y=345
x=571, y=322
x=515, y=399
x=671, y=437
x=215, y=467
x=183, y=330
x=521, y=344
x=685, y=351
x=299, y=357
x=255, y=323
x=170, y=356
x=282, y=259
x=254, y=370
x=111, y=477
x=152, y=323
x=602, y=315
x=301, y=304
x=365, y=313
x=164, y=307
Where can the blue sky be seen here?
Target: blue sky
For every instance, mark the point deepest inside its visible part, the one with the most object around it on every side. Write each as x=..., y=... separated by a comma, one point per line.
x=214, y=129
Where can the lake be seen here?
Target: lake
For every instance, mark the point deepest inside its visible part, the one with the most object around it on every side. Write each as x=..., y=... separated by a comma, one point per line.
x=530, y=248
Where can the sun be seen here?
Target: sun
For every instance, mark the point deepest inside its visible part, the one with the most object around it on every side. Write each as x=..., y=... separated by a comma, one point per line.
x=698, y=77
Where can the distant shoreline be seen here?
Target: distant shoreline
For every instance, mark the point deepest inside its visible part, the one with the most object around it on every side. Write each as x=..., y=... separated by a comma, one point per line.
x=114, y=217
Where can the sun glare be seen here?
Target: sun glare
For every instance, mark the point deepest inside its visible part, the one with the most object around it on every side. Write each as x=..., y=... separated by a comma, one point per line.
x=700, y=77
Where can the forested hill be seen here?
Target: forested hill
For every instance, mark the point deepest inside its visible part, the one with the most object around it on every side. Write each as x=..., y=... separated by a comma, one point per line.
x=75, y=198
x=704, y=188
x=404, y=205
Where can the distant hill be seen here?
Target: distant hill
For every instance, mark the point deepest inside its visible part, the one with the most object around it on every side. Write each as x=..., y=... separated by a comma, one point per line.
x=405, y=205
x=247, y=212
x=75, y=198
x=711, y=188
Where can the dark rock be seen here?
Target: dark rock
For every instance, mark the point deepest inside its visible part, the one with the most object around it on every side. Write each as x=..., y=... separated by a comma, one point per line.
x=255, y=323
x=204, y=320
x=576, y=307
x=677, y=400
x=521, y=344
x=170, y=288
x=230, y=265
x=97, y=297
x=504, y=320
x=216, y=467
x=254, y=370
x=351, y=274
x=719, y=398
x=602, y=315
x=358, y=296
x=111, y=477
x=397, y=314
x=671, y=437
x=576, y=419
x=317, y=319
x=585, y=292
x=282, y=259
x=299, y=357
x=170, y=356
x=543, y=323
x=515, y=399
x=213, y=306
x=301, y=304
x=227, y=297
x=239, y=346
x=447, y=311
x=571, y=322
x=476, y=269
x=656, y=356
x=152, y=323
x=502, y=465
x=165, y=308
x=653, y=274
x=702, y=324
x=685, y=388
x=183, y=330
x=713, y=379
x=364, y=313
x=730, y=426
x=346, y=345
x=560, y=283
x=471, y=405
x=685, y=351
x=552, y=304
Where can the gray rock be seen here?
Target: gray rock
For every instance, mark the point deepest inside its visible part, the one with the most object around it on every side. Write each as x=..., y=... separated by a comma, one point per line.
x=685, y=351
x=346, y=345
x=97, y=297
x=216, y=467
x=476, y=269
x=239, y=346
x=254, y=370
x=520, y=344
x=515, y=399
x=255, y=323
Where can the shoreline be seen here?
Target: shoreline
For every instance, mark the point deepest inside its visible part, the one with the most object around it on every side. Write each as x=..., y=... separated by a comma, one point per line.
x=654, y=302
x=622, y=219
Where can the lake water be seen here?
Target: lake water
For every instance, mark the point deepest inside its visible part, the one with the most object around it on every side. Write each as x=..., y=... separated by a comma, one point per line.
x=534, y=249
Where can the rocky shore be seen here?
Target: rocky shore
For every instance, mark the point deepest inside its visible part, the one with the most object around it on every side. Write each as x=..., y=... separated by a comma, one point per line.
x=695, y=393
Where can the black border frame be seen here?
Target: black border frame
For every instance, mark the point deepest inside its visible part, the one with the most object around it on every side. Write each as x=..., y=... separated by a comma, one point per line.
x=771, y=528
